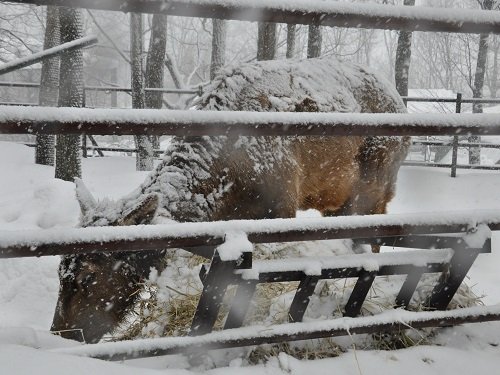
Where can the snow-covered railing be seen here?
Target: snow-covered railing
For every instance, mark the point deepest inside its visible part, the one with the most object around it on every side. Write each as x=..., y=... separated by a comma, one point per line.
x=317, y=12
x=389, y=321
x=47, y=54
x=25, y=120
x=232, y=265
x=186, y=235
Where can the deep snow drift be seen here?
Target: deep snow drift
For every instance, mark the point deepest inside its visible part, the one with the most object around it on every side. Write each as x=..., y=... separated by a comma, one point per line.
x=31, y=199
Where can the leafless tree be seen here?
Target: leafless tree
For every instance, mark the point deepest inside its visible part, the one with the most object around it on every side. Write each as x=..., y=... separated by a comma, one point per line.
x=218, y=46
x=314, y=41
x=403, y=58
x=266, y=41
x=49, y=85
x=144, y=160
x=71, y=93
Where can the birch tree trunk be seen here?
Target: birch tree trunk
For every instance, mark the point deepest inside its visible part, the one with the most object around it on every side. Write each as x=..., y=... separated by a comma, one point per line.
x=314, y=41
x=266, y=41
x=49, y=82
x=477, y=92
x=155, y=66
x=291, y=31
x=144, y=158
x=219, y=31
x=71, y=93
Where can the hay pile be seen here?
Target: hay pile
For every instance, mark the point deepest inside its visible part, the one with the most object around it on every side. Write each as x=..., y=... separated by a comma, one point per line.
x=168, y=302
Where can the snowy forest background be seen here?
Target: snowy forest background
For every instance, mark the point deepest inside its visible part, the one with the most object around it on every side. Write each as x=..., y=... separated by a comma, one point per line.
x=439, y=60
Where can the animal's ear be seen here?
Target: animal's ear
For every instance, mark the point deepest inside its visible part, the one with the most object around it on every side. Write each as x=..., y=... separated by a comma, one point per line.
x=143, y=213
x=84, y=197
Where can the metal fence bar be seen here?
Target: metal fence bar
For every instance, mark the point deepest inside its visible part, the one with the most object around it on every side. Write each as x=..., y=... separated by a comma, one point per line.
x=199, y=123
x=454, y=155
x=450, y=100
x=107, y=88
x=48, y=53
x=257, y=335
x=457, y=166
x=463, y=145
x=336, y=14
x=190, y=235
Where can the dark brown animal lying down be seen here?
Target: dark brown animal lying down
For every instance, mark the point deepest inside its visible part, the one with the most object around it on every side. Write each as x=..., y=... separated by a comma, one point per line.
x=222, y=178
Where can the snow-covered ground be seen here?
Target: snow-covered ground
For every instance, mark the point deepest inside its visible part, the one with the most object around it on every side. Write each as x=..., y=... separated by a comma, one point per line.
x=31, y=199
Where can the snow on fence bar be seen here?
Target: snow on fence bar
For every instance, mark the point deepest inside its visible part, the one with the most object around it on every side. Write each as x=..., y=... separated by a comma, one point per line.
x=15, y=244
x=338, y=14
x=48, y=53
x=39, y=120
x=388, y=321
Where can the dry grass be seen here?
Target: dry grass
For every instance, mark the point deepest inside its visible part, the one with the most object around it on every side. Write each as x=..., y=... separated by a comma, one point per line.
x=155, y=316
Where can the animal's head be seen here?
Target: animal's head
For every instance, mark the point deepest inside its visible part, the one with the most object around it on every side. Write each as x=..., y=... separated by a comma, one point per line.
x=97, y=290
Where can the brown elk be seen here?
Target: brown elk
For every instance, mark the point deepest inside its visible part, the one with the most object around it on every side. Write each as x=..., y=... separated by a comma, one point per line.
x=222, y=178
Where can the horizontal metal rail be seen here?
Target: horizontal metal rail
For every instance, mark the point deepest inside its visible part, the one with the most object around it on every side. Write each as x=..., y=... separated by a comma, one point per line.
x=410, y=163
x=451, y=100
x=108, y=88
x=191, y=235
x=104, y=148
x=47, y=54
x=450, y=144
x=336, y=14
x=19, y=104
x=257, y=335
x=185, y=123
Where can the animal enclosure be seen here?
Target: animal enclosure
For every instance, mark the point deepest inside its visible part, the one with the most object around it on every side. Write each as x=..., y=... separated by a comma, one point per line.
x=431, y=232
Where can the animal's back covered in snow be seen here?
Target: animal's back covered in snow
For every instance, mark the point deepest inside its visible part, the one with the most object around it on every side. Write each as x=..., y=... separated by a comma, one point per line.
x=216, y=178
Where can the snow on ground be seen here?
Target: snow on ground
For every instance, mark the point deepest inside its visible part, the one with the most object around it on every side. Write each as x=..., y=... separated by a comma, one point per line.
x=31, y=199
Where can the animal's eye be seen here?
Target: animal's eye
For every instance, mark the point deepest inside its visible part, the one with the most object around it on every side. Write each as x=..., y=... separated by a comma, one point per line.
x=87, y=280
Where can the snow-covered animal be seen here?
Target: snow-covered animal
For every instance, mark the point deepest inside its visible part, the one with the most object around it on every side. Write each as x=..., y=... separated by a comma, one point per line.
x=222, y=178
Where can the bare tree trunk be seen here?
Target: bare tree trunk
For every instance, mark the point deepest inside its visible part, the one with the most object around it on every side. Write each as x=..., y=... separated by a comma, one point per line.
x=218, y=46
x=314, y=42
x=49, y=82
x=494, y=73
x=266, y=41
x=403, y=58
x=71, y=93
x=144, y=159
x=155, y=66
x=477, y=92
x=291, y=31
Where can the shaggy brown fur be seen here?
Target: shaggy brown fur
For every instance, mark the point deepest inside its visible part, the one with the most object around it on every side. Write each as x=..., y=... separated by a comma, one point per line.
x=222, y=178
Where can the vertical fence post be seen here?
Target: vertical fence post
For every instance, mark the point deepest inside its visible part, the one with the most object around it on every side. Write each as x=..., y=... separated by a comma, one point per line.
x=84, y=146
x=454, y=155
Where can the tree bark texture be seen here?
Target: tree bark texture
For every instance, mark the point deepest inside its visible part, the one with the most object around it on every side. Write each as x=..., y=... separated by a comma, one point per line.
x=71, y=93
x=155, y=66
x=291, y=31
x=144, y=159
x=266, y=41
x=314, y=41
x=403, y=58
x=219, y=31
x=477, y=92
x=49, y=82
